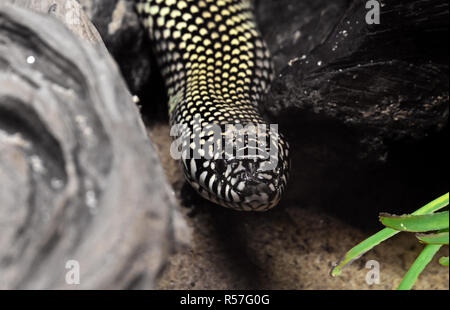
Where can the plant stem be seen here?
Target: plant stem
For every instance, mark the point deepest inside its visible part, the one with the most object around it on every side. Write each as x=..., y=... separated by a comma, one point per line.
x=418, y=266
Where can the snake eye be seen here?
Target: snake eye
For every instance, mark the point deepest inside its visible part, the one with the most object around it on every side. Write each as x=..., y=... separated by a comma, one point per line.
x=220, y=166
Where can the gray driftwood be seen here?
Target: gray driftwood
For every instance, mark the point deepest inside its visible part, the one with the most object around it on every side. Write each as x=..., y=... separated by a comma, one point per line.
x=79, y=179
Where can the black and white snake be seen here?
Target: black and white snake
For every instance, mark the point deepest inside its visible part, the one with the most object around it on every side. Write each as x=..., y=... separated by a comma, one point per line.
x=217, y=68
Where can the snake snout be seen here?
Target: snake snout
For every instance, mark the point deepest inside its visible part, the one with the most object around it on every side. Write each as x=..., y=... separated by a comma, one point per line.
x=247, y=184
x=261, y=188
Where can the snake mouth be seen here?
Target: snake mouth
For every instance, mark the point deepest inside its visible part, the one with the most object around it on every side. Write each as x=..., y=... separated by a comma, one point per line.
x=242, y=184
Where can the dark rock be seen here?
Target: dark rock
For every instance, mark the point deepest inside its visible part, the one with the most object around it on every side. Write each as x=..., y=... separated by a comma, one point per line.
x=365, y=106
x=293, y=28
x=79, y=178
x=119, y=26
x=129, y=44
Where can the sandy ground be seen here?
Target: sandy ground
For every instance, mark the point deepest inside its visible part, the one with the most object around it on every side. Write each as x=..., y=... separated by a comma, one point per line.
x=291, y=247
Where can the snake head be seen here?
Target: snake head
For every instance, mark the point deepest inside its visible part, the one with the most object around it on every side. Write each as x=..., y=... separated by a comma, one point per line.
x=236, y=178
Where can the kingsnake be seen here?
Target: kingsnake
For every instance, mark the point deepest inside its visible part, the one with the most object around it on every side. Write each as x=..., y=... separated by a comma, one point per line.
x=217, y=68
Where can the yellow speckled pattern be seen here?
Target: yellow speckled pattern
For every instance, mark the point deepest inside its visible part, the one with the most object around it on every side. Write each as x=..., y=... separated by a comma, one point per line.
x=216, y=68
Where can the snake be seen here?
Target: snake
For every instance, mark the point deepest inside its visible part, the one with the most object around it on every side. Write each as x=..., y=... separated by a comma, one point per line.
x=217, y=69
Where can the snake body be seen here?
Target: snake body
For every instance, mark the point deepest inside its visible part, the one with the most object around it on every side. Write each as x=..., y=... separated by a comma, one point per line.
x=216, y=69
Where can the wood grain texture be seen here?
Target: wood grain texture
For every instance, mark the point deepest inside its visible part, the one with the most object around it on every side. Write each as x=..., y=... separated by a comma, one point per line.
x=79, y=177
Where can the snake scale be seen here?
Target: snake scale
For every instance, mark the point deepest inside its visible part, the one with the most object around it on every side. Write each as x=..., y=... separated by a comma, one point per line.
x=217, y=68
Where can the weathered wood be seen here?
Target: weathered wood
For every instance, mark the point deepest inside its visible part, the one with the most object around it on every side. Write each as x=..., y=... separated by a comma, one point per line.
x=79, y=179
x=68, y=12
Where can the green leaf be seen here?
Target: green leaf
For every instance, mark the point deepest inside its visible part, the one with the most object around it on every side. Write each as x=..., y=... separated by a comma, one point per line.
x=416, y=223
x=362, y=248
x=433, y=206
x=444, y=261
x=418, y=266
x=366, y=245
x=439, y=238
